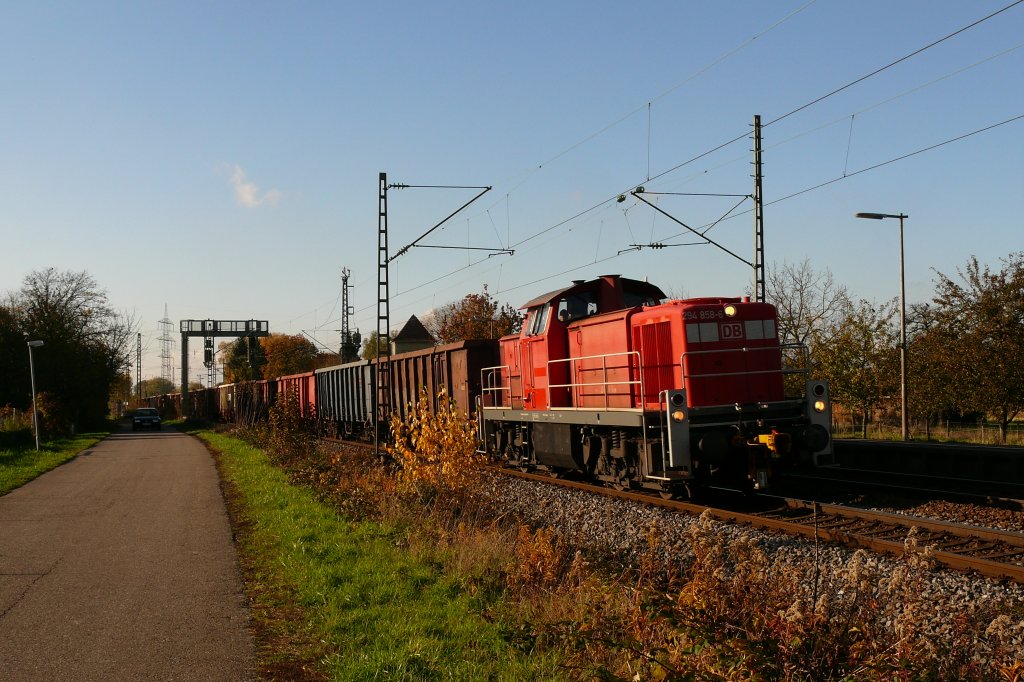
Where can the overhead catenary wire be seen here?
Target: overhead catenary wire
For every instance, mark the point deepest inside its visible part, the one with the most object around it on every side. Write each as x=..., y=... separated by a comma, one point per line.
x=895, y=62
x=899, y=158
x=405, y=249
x=707, y=226
x=745, y=134
x=878, y=165
x=786, y=115
x=665, y=93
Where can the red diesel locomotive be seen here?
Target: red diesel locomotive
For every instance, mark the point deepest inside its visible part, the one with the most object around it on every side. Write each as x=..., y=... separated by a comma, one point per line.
x=603, y=380
x=606, y=381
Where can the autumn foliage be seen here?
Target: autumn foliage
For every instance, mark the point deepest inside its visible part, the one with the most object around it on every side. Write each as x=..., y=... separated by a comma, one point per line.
x=436, y=449
x=476, y=316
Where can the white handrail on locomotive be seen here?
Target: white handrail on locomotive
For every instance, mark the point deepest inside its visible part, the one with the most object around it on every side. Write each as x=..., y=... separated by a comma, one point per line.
x=487, y=387
x=805, y=354
x=604, y=384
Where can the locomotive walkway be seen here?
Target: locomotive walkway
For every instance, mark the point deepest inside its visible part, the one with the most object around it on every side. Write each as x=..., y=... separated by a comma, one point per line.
x=119, y=565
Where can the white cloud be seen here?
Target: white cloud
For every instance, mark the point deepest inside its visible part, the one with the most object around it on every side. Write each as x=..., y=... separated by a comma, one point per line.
x=248, y=194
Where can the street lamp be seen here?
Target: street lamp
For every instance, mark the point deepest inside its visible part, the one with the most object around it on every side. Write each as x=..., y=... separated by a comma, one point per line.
x=32, y=374
x=903, y=318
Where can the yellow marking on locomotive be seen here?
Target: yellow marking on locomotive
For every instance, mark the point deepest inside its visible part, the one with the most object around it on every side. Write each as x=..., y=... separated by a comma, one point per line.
x=777, y=443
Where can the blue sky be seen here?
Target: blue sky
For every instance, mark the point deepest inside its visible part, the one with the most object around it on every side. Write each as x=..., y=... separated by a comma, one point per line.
x=223, y=158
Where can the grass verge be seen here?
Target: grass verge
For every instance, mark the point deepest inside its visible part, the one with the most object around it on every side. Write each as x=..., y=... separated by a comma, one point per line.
x=389, y=573
x=20, y=465
x=345, y=599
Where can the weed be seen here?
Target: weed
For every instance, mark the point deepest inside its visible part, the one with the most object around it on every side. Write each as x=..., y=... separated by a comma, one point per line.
x=435, y=449
x=735, y=612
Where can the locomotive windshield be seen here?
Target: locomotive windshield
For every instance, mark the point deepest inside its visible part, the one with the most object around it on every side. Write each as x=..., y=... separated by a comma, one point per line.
x=537, y=320
x=577, y=306
x=634, y=298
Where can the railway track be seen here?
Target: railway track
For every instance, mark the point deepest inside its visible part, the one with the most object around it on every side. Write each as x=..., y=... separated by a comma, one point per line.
x=989, y=552
x=983, y=465
x=1006, y=496
x=993, y=553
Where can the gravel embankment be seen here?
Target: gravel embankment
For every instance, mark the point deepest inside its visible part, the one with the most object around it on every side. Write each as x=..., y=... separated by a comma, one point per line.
x=622, y=530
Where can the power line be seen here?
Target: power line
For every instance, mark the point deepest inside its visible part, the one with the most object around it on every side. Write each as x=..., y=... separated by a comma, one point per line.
x=646, y=105
x=790, y=196
x=871, y=168
x=817, y=100
x=894, y=63
x=792, y=112
x=900, y=158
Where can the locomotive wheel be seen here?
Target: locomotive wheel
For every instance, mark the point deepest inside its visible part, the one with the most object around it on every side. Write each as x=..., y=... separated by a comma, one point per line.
x=680, y=491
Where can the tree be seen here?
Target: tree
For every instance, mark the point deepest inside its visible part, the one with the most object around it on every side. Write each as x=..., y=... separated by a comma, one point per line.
x=120, y=392
x=859, y=357
x=979, y=335
x=350, y=348
x=806, y=301
x=329, y=360
x=371, y=347
x=287, y=354
x=15, y=389
x=155, y=386
x=476, y=316
x=87, y=343
x=245, y=360
x=928, y=367
x=809, y=305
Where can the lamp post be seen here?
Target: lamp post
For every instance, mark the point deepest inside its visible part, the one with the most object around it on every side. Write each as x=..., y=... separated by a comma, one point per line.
x=32, y=374
x=903, y=318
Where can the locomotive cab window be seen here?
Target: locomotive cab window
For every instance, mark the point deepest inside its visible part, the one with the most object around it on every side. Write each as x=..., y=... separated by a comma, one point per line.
x=634, y=299
x=577, y=306
x=537, y=320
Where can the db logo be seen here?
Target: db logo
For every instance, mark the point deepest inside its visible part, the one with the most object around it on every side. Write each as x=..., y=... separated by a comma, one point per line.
x=732, y=330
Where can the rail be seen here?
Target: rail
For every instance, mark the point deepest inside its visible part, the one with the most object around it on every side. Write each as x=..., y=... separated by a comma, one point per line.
x=997, y=554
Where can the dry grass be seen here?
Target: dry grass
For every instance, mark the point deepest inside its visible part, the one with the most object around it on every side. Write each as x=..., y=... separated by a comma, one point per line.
x=735, y=613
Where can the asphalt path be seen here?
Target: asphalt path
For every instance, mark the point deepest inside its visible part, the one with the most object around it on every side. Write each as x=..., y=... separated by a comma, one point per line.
x=119, y=565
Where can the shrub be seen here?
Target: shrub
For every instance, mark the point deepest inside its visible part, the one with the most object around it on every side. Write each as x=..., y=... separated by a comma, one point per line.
x=291, y=435
x=435, y=449
x=54, y=419
x=15, y=428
